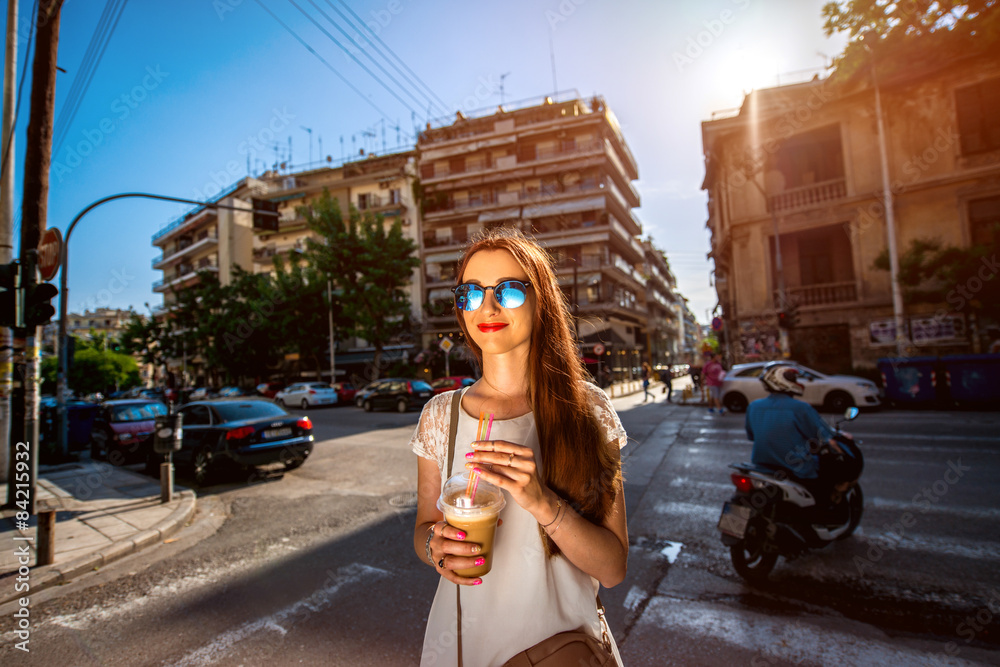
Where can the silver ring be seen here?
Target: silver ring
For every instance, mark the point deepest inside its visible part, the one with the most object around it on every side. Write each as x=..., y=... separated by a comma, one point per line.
x=441, y=563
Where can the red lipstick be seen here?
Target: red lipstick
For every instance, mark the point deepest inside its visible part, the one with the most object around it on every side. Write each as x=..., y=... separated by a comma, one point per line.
x=491, y=327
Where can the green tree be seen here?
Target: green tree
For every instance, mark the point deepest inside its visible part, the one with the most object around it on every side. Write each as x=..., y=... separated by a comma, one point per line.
x=964, y=278
x=369, y=266
x=911, y=30
x=302, y=315
x=93, y=370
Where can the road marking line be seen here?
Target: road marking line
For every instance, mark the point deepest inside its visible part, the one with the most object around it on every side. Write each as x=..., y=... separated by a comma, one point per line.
x=776, y=637
x=214, y=651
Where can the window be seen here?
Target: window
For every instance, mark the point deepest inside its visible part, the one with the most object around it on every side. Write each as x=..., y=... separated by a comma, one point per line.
x=197, y=415
x=369, y=200
x=394, y=196
x=978, y=121
x=811, y=157
x=751, y=372
x=984, y=221
x=456, y=165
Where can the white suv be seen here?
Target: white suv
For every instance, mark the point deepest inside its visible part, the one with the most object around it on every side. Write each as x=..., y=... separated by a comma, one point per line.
x=836, y=393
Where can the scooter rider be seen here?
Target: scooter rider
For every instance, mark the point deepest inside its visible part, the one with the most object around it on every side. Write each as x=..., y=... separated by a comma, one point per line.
x=789, y=434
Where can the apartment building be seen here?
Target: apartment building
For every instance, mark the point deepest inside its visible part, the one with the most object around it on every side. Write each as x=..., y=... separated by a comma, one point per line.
x=801, y=164
x=663, y=320
x=561, y=171
x=220, y=240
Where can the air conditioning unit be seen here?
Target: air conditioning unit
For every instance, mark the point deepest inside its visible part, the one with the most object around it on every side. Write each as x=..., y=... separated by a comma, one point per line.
x=289, y=183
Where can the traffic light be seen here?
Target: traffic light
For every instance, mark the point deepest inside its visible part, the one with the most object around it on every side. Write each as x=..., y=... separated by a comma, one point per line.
x=37, y=307
x=8, y=295
x=265, y=214
x=789, y=317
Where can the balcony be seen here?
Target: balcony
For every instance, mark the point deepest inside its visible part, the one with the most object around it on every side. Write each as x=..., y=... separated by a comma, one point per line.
x=821, y=295
x=808, y=196
x=185, y=272
x=185, y=248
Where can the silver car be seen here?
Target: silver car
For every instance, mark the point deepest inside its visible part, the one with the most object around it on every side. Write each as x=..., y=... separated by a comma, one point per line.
x=836, y=393
x=306, y=395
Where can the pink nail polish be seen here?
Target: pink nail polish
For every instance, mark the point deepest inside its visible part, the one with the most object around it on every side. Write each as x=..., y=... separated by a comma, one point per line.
x=477, y=582
x=478, y=471
x=470, y=455
x=480, y=561
x=460, y=535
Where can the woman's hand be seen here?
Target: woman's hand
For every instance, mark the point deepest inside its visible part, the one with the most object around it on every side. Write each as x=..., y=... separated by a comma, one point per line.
x=513, y=468
x=451, y=552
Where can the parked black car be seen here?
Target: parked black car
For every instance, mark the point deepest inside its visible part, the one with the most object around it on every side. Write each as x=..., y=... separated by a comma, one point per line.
x=401, y=394
x=245, y=432
x=123, y=429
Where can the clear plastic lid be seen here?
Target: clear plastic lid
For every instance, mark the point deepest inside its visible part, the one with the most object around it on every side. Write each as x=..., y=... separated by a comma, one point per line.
x=454, y=498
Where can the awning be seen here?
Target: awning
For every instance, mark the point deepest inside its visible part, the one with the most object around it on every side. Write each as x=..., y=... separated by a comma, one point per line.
x=561, y=208
x=452, y=256
x=500, y=214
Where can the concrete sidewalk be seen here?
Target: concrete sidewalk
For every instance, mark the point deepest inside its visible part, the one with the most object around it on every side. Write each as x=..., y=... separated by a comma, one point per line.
x=103, y=513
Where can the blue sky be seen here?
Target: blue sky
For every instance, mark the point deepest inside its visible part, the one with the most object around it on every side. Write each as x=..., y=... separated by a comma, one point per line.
x=184, y=86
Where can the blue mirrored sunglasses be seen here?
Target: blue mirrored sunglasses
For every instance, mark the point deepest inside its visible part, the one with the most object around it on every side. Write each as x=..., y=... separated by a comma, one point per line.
x=509, y=294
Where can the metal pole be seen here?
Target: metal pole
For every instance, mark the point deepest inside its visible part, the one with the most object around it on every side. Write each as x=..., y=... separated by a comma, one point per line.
x=333, y=351
x=890, y=221
x=63, y=373
x=7, y=222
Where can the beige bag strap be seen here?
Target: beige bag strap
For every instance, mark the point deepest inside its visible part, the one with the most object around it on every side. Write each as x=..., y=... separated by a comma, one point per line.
x=456, y=406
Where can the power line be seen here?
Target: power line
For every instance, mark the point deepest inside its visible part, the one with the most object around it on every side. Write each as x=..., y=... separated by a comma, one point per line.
x=86, y=76
x=320, y=58
x=364, y=27
x=376, y=63
x=353, y=57
x=408, y=77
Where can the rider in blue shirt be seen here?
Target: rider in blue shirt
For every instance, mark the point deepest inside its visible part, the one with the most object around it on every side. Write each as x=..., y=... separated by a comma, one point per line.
x=786, y=432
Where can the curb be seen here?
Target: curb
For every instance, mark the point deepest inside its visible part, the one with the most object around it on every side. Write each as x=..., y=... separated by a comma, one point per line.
x=63, y=573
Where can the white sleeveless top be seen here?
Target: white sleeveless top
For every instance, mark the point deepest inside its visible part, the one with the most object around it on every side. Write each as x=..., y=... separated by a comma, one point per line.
x=526, y=597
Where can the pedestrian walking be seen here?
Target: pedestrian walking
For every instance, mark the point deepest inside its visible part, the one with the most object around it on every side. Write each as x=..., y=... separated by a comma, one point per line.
x=713, y=375
x=646, y=393
x=667, y=377
x=553, y=450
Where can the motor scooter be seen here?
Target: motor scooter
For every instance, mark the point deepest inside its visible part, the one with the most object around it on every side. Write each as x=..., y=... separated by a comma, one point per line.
x=773, y=513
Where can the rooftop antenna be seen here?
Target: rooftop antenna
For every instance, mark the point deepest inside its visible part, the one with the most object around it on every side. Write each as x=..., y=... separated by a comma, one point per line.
x=502, y=77
x=342, y=156
x=383, y=135
x=289, y=152
x=309, y=130
x=319, y=137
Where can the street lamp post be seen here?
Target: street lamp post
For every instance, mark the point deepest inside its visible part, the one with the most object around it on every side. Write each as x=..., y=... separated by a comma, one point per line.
x=63, y=373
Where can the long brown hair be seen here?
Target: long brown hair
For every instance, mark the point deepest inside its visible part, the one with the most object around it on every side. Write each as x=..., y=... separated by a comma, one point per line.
x=575, y=461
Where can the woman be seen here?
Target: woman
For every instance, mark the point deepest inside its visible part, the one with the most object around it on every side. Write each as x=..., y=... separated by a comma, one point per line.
x=553, y=449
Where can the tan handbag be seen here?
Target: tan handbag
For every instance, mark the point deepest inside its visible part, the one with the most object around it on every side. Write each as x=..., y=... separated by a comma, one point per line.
x=565, y=649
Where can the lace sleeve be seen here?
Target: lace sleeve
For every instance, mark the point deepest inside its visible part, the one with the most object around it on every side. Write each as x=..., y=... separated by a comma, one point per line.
x=611, y=425
x=430, y=438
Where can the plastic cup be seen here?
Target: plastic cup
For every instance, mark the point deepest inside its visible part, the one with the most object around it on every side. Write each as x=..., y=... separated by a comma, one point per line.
x=476, y=517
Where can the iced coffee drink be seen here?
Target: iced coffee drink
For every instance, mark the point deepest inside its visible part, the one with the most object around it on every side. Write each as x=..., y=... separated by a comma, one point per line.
x=476, y=514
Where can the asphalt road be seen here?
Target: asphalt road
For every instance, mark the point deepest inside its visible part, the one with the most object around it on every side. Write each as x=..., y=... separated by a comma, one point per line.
x=315, y=566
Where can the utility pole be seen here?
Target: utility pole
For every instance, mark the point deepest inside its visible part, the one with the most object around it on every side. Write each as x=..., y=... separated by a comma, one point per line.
x=37, y=158
x=7, y=221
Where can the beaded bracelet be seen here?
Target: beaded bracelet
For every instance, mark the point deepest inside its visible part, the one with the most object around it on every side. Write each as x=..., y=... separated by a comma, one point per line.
x=558, y=509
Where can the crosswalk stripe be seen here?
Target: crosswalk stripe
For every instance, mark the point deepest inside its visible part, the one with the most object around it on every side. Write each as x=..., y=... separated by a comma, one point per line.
x=774, y=638
x=708, y=515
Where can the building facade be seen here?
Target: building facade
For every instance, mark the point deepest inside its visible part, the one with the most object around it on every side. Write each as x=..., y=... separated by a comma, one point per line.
x=561, y=172
x=802, y=164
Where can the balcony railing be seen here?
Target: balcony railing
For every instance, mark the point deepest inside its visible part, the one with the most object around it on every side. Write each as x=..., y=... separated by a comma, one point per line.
x=821, y=295
x=807, y=196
